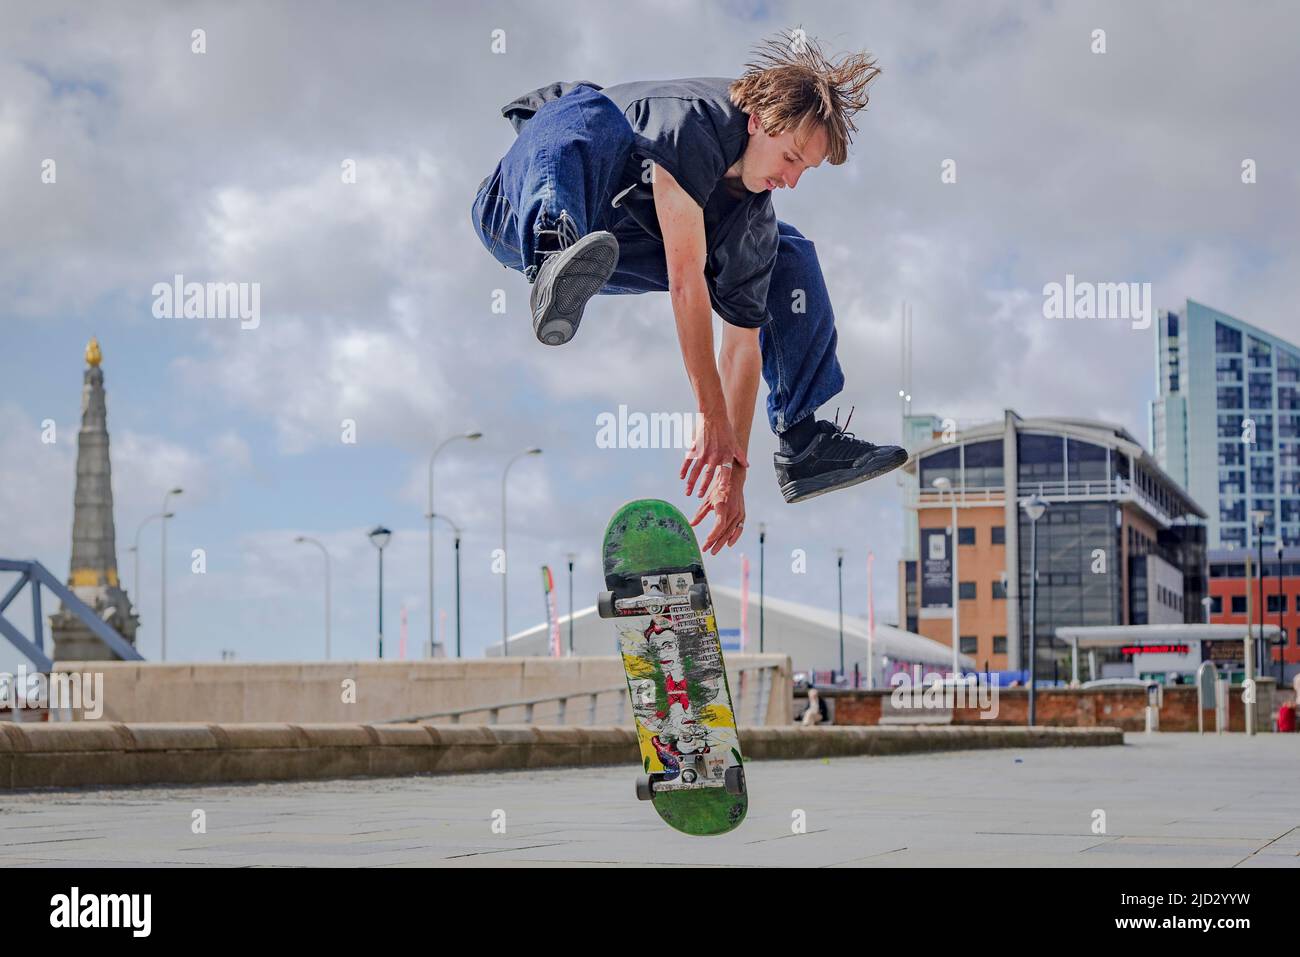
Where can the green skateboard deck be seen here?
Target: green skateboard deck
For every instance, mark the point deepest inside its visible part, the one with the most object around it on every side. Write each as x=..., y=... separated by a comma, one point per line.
x=668, y=638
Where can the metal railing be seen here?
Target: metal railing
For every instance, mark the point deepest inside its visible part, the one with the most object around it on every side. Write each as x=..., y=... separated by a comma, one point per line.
x=1078, y=490
x=605, y=705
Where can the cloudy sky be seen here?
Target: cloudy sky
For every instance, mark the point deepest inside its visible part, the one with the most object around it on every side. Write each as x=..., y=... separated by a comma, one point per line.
x=377, y=300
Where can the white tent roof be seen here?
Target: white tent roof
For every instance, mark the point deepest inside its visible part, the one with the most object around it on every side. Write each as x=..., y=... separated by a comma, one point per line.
x=809, y=635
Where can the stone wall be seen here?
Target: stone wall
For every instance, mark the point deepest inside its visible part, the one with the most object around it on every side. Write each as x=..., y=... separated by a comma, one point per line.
x=313, y=692
x=81, y=754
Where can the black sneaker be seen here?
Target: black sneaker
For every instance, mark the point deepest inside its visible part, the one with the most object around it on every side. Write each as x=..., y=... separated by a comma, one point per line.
x=567, y=278
x=834, y=459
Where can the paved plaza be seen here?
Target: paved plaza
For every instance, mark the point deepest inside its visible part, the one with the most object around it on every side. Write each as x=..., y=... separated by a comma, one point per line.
x=1168, y=800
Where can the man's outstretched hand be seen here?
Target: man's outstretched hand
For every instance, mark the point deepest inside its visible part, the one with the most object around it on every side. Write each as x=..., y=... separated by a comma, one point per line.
x=726, y=499
x=714, y=450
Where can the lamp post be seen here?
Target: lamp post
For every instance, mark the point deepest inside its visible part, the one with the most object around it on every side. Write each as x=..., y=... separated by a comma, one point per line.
x=762, y=541
x=1207, y=602
x=1281, y=620
x=1261, y=648
x=942, y=483
x=570, y=557
x=505, y=560
x=1034, y=506
x=1258, y=516
x=135, y=550
x=472, y=437
x=163, y=617
x=303, y=538
x=455, y=531
x=839, y=567
x=379, y=537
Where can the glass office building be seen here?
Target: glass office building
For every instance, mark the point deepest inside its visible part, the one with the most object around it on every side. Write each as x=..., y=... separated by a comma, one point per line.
x=1226, y=422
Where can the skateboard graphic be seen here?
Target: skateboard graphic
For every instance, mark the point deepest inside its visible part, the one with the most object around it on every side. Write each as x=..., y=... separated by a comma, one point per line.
x=668, y=639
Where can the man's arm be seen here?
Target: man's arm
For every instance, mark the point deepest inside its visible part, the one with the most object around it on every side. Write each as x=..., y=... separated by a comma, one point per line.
x=741, y=365
x=682, y=222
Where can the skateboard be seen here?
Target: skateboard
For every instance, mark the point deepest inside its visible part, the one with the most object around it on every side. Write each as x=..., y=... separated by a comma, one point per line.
x=668, y=639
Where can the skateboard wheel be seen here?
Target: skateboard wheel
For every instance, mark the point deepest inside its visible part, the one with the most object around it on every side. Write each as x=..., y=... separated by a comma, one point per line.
x=700, y=600
x=605, y=604
x=645, y=788
x=735, y=780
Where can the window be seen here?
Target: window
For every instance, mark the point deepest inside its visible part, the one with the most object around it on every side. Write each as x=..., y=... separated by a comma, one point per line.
x=1216, y=604
x=999, y=534
x=1276, y=603
x=1239, y=604
x=1260, y=354
x=965, y=536
x=1042, y=458
x=966, y=591
x=968, y=644
x=1227, y=370
x=1226, y=339
x=1229, y=397
x=1087, y=461
x=984, y=464
x=999, y=590
x=943, y=464
x=1231, y=427
x=1261, y=390
x=1232, y=482
x=999, y=644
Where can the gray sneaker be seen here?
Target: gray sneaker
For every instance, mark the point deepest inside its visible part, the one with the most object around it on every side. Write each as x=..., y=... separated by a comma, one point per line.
x=566, y=280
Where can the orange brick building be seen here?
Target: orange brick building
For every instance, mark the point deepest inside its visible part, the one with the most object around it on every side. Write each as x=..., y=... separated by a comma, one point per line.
x=1119, y=543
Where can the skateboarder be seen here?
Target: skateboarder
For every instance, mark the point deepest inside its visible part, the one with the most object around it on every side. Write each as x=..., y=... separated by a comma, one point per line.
x=667, y=186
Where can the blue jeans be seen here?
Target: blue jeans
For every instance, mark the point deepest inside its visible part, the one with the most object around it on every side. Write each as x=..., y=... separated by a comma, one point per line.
x=566, y=162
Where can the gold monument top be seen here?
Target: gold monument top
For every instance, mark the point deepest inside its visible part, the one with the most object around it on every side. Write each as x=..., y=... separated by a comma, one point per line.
x=93, y=355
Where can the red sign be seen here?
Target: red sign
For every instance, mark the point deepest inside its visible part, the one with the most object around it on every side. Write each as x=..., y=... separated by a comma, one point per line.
x=1154, y=649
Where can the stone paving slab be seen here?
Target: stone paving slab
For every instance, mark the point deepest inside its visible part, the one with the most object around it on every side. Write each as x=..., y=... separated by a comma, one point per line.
x=1169, y=800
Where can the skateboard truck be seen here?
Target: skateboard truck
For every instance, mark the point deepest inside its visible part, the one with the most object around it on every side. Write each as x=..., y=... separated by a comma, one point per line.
x=658, y=595
x=692, y=777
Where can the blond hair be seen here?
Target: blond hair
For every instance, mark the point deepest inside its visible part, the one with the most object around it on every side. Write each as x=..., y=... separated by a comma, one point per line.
x=792, y=85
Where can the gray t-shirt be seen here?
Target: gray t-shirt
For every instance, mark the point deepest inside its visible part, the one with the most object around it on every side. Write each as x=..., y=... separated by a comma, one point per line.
x=691, y=129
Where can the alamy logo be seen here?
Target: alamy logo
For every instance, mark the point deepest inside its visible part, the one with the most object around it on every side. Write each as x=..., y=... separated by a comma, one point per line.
x=937, y=691
x=102, y=910
x=1098, y=300
x=79, y=690
x=212, y=300
x=657, y=430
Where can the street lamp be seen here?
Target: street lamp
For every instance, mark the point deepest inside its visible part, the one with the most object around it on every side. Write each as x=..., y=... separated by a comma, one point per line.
x=379, y=537
x=570, y=557
x=163, y=617
x=505, y=561
x=942, y=483
x=762, y=541
x=1258, y=516
x=455, y=530
x=135, y=550
x=1281, y=620
x=324, y=551
x=1034, y=506
x=472, y=437
x=1207, y=602
x=839, y=570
